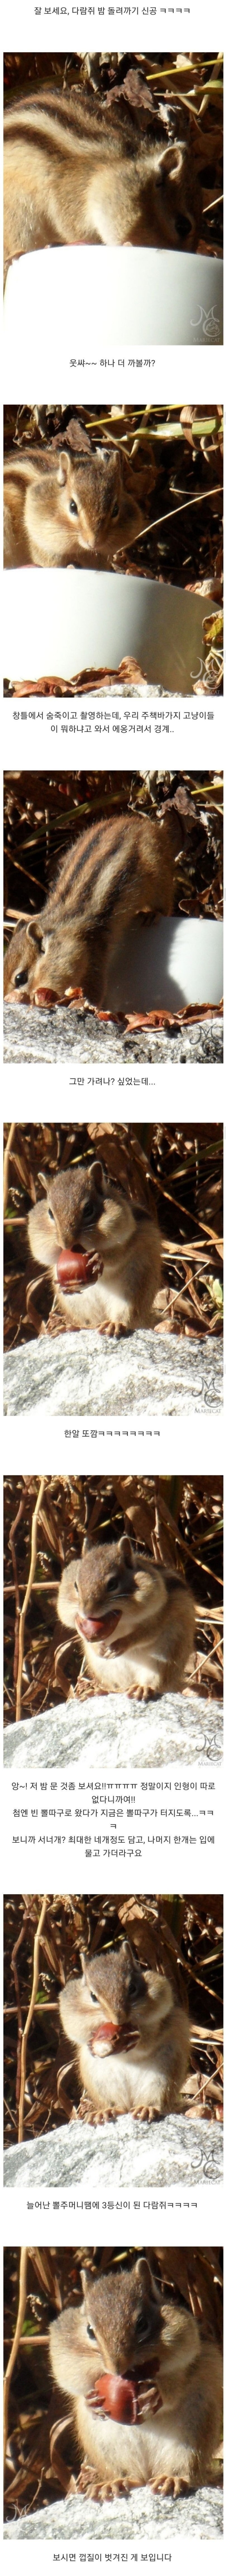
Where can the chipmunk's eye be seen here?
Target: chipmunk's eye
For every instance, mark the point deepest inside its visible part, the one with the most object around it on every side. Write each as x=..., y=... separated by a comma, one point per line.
x=51, y=1213
x=90, y=2332
x=88, y=1212
x=73, y=505
x=143, y=2326
x=115, y=510
x=113, y=1581
x=93, y=1997
x=183, y=223
x=134, y=1986
x=21, y=978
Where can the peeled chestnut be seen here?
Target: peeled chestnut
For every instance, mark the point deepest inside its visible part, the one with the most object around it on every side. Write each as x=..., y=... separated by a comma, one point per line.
x=104, y=2030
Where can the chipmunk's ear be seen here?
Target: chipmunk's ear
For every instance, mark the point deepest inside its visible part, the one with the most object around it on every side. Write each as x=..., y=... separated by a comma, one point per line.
x=63, y=466
x=172, y=161
x=34, y=934
x=44, y=1178
x=146, y=2281
x=84, y=2281
x=84, y=1958
x=126, y=1549
x=98, y=1175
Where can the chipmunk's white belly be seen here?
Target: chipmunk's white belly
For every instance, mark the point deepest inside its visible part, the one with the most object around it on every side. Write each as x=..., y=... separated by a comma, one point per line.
x=138, y=2452
x=124, y=2081
x=132, y=1668
x=102, y=1302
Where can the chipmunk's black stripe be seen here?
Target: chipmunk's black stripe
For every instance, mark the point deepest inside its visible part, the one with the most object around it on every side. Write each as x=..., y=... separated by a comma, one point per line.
x=82, y=121
x=90, y=847
x=46, y=459
x=97, y=849
x=126, y=877
x=49, y=108
x=67, y=122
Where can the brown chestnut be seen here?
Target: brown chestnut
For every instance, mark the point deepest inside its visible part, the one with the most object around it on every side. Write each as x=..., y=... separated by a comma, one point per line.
x=72, y=1266
x=44, y=995
x=118, y=2397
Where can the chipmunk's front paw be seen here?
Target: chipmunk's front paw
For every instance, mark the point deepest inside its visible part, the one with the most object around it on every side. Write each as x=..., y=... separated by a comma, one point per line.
x=148, y=2114
x=86, y=2110
x=107, y=1328
x=137, y=1692
x=173, y=2486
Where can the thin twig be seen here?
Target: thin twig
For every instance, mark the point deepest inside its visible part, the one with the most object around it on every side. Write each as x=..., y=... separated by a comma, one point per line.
x=193, y=503
x=27, y=1594
x=16, y=2337
x=14, y=1525
x=6, y=1164
x=29, y=2016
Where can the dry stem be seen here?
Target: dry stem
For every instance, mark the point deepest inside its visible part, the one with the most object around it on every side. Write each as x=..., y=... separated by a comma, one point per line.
x=29, y=2015
x=16, y=2337
x=27, y=1593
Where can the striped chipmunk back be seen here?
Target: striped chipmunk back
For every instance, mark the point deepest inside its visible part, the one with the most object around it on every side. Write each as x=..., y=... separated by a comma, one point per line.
x=116, y=870
x=74, y=173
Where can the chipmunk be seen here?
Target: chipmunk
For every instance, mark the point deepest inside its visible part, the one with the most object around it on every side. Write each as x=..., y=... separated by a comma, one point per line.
x=135, y=1619
x=72, y=174
x=130, y=2034
x=60, y=508
x=103, y=1254
x=146, y=2390
x=116, y=870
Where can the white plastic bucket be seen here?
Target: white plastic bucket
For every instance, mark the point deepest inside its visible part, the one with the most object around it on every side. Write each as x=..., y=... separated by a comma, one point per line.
x=89, y=300
x=65, y=622
x=168, y=964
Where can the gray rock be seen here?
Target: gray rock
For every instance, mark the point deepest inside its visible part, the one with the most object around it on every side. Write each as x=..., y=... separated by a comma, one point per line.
x=131, y=2519
x=120, y=1733
x=144, y=1373
x=124, y=2154
x=32, y=1037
